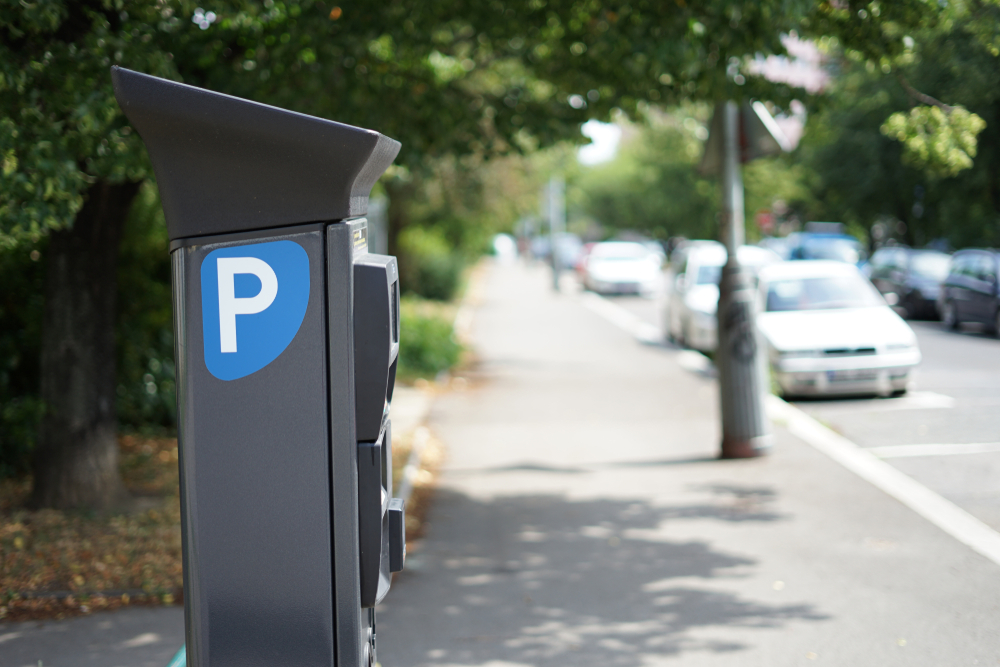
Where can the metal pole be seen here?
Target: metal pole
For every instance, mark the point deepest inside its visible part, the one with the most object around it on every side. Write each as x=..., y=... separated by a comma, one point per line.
x=557, y=221
x=739, y=355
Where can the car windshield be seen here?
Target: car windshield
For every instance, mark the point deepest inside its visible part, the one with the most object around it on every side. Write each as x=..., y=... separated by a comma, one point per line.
x=838, y=249
x=930, y=265
x=708, y=275
x=826, y=292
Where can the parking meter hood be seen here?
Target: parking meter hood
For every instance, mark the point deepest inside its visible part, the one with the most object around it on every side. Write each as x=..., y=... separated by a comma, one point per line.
x=224, y=164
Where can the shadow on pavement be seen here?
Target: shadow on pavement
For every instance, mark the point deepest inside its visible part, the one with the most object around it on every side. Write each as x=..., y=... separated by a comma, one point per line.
x=545, y=579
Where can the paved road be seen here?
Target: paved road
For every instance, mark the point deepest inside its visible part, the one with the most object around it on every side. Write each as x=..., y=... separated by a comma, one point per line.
x=583, y=520
x=955, y=403
x=952, y=413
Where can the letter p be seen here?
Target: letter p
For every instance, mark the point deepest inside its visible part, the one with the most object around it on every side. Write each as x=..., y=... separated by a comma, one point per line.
x=230, y=306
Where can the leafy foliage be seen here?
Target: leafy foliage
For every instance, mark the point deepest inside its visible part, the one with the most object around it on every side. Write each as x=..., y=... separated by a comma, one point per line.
x=430, y=267
x=653, y=186
x=427, y=344
x=60, y=127
x=472, y=77
x=859, y=177
x=22, y=276
x=147, y=399
x=941, y=143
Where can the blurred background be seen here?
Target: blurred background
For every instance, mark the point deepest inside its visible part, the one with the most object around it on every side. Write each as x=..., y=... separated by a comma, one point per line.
x=529, y=128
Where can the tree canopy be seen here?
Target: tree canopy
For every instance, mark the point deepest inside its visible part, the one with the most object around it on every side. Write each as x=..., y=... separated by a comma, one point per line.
x=450, y=77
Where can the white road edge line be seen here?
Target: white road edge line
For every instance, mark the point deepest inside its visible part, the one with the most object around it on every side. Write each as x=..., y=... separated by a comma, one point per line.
x=901, y=451
x=623, y=319
x=944, y=514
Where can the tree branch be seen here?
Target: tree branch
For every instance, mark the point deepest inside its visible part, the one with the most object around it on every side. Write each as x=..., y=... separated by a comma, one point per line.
x=923, y=98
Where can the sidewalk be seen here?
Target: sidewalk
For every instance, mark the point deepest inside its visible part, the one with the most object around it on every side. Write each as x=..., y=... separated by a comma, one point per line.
x=582, y=519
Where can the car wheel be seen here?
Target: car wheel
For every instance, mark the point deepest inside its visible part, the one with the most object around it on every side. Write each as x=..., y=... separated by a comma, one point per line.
x=949, y=316
x=996, y=324
x=899, y=392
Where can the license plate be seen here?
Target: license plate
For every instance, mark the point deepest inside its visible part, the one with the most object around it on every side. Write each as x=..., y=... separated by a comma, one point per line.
x=852, y=375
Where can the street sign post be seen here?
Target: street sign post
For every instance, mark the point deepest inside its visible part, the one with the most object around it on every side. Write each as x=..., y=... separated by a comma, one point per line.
x=739, y=134
x=286, y=339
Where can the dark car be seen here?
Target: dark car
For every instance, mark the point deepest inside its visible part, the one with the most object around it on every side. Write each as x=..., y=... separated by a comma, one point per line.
x=910, y=279
x=970, y=292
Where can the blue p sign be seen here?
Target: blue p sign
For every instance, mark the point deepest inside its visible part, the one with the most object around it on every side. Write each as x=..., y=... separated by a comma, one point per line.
x=253, y=299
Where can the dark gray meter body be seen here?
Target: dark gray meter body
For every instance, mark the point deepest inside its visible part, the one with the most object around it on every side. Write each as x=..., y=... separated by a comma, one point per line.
x=286, y=340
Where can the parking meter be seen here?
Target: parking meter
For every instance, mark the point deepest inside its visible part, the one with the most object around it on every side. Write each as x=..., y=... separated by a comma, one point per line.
x=286, y=341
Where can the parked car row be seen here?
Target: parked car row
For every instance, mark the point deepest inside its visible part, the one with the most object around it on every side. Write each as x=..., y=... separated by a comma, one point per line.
x=620, y=267
x=971, y=291
x=826, y=327
x=692, y=289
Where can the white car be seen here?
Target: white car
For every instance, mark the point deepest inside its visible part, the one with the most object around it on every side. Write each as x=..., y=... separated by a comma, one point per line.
x=829, y=331
x=692, y=290
x=622, y=267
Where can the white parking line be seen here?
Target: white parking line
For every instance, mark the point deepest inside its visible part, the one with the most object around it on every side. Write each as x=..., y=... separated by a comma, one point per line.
x=914, y=400
x=623, y=319
x=944, y=514
x=899, y=451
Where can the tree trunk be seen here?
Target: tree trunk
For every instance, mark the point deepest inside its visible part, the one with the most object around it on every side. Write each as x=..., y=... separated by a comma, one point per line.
x=76, y=459
x=399, y=195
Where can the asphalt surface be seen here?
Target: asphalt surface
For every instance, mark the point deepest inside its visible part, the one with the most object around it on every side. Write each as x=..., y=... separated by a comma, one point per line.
x=951, y=413
x=954, y=403
x=133, y=637
x=583, y=519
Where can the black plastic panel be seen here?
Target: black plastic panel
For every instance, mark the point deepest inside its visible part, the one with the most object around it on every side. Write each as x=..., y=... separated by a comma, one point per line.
x=256, y=487
x=225, y=164
x=375, y=302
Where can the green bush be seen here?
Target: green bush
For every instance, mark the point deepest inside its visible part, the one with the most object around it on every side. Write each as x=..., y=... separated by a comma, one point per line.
x=22, y=276
x=144, y=334
x=147, y=398
x=428, y=266
x=427, y=343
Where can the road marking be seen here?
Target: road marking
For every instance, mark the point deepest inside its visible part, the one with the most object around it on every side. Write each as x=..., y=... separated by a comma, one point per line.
x=919, y=400
x=944, y=514
x=915, y=400
x=900, y=451
x=643, y=331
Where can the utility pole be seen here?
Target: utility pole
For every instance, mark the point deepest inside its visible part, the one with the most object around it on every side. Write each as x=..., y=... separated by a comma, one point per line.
x=739, y=355
x=557, y=223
